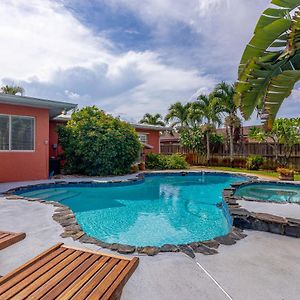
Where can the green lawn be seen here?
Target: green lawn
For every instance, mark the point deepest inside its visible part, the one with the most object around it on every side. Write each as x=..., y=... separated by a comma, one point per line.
x=262, y=172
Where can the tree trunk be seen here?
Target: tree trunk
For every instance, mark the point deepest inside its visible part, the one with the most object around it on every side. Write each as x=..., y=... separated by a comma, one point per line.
x=207, y=148
x=231, y=145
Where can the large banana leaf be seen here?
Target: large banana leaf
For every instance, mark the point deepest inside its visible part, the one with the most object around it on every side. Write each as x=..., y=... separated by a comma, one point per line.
x=270, y=65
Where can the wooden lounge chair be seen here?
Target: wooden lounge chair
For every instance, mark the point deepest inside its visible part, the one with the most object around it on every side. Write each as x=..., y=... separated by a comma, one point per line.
x=63, y=272
x=9, y=238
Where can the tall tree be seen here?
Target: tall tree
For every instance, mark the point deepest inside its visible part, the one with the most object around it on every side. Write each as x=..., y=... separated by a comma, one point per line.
x=206, y=110
x=12, y=90
x=270, y=65
x=152, y=119
x=224, y=93
x=178, y=115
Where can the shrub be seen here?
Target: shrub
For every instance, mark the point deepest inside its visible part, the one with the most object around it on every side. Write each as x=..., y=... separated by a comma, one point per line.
x=176, y=161
x=154, y=161
x=254, y=162
x=98, y=144
x=163, y=162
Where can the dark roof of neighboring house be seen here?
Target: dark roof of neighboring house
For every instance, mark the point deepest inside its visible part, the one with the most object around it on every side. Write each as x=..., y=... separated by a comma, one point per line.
x=170, y=137
x=55, y=107
x=150, y=127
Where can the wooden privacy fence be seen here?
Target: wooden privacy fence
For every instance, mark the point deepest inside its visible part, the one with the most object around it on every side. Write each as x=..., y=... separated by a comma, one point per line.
x=220, y=155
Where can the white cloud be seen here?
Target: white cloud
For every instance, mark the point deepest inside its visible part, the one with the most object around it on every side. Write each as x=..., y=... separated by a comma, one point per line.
x=38, y=37
x=223, y=27
x=53, y=55
x=47, y=50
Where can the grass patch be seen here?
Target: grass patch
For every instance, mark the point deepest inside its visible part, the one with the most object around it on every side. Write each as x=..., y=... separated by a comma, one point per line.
x=267, y=173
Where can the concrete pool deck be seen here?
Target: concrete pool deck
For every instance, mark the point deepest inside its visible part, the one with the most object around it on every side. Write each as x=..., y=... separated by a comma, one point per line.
x=261, y=266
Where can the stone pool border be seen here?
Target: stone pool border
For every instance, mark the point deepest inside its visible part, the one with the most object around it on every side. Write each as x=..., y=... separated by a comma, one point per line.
x=241, y=217
x=244, y=219
x=266, y=182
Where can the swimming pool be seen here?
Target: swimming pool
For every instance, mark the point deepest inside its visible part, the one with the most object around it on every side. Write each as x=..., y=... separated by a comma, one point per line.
x=162, y=209
x=273, y=192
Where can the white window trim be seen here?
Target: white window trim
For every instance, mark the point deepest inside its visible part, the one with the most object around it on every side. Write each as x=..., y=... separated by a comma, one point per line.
x=143, y=134
x=9, y=132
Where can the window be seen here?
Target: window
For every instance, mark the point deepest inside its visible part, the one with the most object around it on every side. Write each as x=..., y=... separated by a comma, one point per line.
x=143, y=138
x=16, y=133
x=4, y=132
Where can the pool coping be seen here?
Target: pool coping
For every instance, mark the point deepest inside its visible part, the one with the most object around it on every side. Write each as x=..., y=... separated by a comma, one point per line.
x=253, y=182
x=240, y=217
x=244, y=219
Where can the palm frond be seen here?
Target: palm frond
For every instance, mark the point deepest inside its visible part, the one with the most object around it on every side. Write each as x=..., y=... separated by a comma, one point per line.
x=270, y=65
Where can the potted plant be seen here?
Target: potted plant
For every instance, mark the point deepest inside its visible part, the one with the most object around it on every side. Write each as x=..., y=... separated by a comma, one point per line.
x=134, y=168
x=286, y=174
x=142, y=166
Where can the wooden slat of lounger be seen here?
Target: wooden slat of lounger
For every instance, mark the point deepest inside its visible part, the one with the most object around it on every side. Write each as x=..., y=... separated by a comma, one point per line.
x=56, y=279
x=100, y=289
x=9, y=238
x=82, y=279
x=72, y=274
x=68, y=280
x=3, y=235
x=15, y=277
x=99, y=253
x=121, y=280
x=31, y=278
x=45, y=276
x=83, y=287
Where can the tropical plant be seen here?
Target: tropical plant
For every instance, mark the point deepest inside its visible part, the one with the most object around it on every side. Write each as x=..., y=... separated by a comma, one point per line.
x=192, y=139
x=95, y=143
x=206, y=110
x=284, y=131
x=152, y=119
x=270, y=65
x=178, y=115
x=225, y=93
x=12, y=90
x=254, y=162
x=216, y=140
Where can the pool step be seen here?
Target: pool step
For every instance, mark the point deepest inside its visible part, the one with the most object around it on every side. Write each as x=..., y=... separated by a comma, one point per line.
x=37, y=193
x=66, y=196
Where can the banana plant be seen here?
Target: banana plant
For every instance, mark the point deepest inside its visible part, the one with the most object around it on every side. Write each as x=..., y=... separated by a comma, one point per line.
x=270, y=65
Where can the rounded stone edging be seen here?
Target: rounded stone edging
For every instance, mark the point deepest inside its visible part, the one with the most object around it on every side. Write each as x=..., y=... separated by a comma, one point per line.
x=66, y=218
x=237, y=185
x=244, y=219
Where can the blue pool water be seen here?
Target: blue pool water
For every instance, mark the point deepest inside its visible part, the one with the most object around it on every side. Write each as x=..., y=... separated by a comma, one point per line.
x=164, y=209
x=270, y=192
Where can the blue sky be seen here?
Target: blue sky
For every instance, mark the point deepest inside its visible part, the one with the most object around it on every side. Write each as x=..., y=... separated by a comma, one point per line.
x=128, y=57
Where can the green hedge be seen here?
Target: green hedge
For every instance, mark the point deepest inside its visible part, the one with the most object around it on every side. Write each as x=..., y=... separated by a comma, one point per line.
x=164, y=162
x=254, y=162
x=98, y=144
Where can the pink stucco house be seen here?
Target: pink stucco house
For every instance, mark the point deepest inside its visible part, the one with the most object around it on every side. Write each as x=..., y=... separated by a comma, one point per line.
x=28, y=136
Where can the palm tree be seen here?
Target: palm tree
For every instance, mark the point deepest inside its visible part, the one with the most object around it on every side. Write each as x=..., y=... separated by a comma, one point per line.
x=225, y=93
x=206, y=110
x=179, y=115
x=12, y=90
x=270, y=65
x=152, y=119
